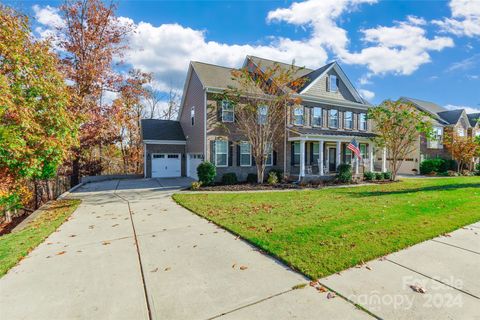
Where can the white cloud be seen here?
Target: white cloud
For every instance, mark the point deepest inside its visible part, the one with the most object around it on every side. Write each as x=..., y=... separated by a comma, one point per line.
x=167, y=49
x=366, y=94
x=465, y=20
x=399, y=49
x=467, y=108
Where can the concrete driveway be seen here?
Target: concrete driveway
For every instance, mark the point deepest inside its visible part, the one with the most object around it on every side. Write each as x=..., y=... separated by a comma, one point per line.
x=129, y=252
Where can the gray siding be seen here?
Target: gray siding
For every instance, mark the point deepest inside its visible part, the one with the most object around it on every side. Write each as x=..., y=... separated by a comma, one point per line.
x=319, y=88
x=194, y=97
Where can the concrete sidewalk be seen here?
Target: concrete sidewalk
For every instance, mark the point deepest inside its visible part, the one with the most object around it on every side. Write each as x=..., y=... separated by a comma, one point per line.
x=130, y=252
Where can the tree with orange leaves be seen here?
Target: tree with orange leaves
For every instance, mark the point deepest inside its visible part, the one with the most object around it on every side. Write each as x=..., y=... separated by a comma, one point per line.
x=462, y=149
x=260, y=101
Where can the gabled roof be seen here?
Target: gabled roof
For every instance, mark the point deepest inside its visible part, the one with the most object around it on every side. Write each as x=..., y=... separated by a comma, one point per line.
x=263, y=64
x=474, y=118
x=451, y=116
x=315, y=74
x=319, y=73
x=428, y=107
x=155, y=129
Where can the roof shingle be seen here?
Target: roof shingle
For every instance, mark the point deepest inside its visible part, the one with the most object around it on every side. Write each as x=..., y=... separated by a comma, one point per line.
x=155, y=129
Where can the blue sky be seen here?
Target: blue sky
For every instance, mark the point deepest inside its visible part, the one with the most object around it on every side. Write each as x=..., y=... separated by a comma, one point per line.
x=423, y=49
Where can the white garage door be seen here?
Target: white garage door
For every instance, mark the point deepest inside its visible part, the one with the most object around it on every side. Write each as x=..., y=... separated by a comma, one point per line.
x=193, y=161
x=166, y=165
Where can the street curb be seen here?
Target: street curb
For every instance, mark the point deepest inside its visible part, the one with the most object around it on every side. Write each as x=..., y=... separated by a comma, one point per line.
x=66, y=193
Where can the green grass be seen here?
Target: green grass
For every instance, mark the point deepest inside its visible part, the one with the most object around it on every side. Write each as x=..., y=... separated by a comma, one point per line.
x=15, y=246
x=320, y=232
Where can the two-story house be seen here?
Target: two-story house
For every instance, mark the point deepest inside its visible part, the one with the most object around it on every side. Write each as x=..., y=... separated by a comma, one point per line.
x=443, y=121
x=317, y=131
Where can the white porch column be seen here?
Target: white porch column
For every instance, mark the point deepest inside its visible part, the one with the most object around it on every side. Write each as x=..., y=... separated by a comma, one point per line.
x=320, y=158
x=384, y=160
x=357, y=162
x=371, y=155
x=339, y=153
x=302, y=158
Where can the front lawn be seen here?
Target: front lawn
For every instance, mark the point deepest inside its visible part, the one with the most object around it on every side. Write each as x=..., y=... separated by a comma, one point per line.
x=15, y=246
x=320, y=232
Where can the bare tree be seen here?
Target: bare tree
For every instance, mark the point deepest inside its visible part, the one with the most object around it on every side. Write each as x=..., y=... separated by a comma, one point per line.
x=261, y=101
x=173, y=105
x=152, y=103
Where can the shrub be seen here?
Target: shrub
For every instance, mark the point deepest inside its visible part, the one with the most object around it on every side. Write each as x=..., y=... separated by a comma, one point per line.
x=196, y=185
x=477, y=168
x=344, y=173
x=369, y=176
x=206, y=172
x=252, y=178
x=279, y=174
x=387, y=175
x=432, y=165
x=229, y=178
x=448, y=165
x=272, y=178
x=378, y=176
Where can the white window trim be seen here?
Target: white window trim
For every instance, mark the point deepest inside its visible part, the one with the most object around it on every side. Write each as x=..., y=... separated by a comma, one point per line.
x=360, y=121
x=249, y=154
x=295, y=116
x=216, y=153
x=345, y=120
x=313, y=117
x=434, y=143
x=330, y=78
x=330, y=118
x=259, y=114
x=224, y=103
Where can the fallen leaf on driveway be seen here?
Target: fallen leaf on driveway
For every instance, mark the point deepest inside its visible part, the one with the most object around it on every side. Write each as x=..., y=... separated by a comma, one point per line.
x=72, y=235
x=243, y=268
x=368, y=268
x=105, y=243
x=115, y=225
x=313, y=283
x=167, y=269
x=154, y=270
x=91, y=227
x=417, y=288
x=331, y=295
x=322, y=289
x=61, y=252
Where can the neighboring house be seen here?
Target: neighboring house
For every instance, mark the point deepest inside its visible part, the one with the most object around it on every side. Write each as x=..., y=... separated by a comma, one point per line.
x=475, y=129
x=317, y=132
x=443, y=121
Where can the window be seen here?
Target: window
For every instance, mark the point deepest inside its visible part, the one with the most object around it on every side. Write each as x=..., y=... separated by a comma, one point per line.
x=363, y=150
x=262, y=114
x=317, y=116
x=296, y=153
x=316, y=152
x=332, y=85
x=221, y=153
x=245, y=154
x=228, y=114
x=348, y=121
x=192, y=115
x=348, y=156
x=461, y=132
x=333, y=118
x=158, y=156
x=269, y=152
x=363, y=121
x=172, y=156
x=298, y=116
x=436, y=141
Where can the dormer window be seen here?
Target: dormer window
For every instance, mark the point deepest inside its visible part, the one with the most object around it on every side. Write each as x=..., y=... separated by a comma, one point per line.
x=298, y=118
x=332, y=83
x=461, y=132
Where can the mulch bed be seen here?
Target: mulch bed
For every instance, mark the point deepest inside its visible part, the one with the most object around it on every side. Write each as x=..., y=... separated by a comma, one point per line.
x=280, y=186
x=8, y=227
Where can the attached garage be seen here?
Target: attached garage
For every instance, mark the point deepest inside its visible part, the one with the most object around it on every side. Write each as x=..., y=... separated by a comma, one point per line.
x=164, y=149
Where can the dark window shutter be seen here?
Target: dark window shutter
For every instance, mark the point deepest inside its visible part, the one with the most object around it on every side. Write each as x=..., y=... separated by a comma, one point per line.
x=238, y=154
x=274, y=158
x=311, y=153
x=292, y=153
x=230, y=153
x=219, y=111
x=254, y=163
x=212, y=152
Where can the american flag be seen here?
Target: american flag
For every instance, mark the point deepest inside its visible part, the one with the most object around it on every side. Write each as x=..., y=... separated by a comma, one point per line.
x=353, y=146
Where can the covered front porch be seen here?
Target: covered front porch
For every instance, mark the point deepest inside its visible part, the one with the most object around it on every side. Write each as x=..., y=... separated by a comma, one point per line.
x=323, y=154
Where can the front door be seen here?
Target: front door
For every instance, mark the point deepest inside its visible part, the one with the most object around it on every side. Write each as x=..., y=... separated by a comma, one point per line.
x=332, y=161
